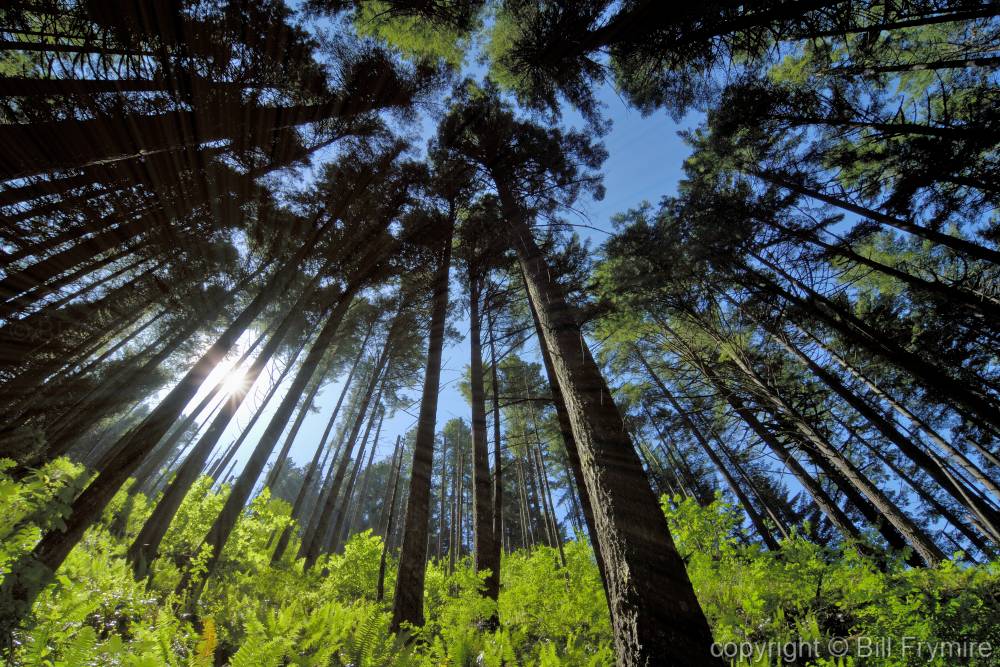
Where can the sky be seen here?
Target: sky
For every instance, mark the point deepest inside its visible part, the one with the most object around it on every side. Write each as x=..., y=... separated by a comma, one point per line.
x=644, y=161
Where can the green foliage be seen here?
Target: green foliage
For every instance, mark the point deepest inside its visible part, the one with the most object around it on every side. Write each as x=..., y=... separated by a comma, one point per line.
x=253, y=614
x=414, y=36
x=807, y=593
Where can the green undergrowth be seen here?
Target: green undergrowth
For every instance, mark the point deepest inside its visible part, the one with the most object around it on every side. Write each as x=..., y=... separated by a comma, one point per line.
x=255, y=614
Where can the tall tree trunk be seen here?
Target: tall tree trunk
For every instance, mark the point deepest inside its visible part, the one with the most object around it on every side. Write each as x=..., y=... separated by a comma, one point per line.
x=326, y=511
x=304, y=409
x=936, y=505
x=956, y=455
x=547, y=497
x=74, y=143
x=498, y=522
x=234, y=447
x=487, y=556
x=569, y=442
x=147, y=543
x=959, y=245
x=856, y=332
x=655, y=613
x=455, y=506
x=686, y=478
x=926, y=462
x=341, y=525
x=923, y=546
x=351, y=527
x=408, y=603
x=980, y=304
x=443, y=497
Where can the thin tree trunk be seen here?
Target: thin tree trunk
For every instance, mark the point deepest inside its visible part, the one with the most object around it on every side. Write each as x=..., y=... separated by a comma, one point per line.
x=342, y=525
x=857, y=332
x=959, y=245
x=147, y=544
x=443, y=496
x=352, y=521
x=325, y=517
x=223, y=526
x=315, y=466
x=234, y=447
x=926, y=462
x=904, y=412
x=752, y=513
x=498, y=516
x=914, y=535
x=389, y=514
x=550, y=508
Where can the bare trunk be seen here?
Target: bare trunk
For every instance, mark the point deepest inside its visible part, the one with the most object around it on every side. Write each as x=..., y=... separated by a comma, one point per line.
x=408, y=605
x=487, y=556
x=655, y=613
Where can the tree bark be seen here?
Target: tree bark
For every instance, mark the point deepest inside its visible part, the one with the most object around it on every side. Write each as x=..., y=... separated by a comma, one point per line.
x=389, y=514
x=655, y=613
x=487, y=556
x=408, y=604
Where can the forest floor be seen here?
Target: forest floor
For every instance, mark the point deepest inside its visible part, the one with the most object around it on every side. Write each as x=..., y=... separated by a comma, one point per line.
x=763, y=606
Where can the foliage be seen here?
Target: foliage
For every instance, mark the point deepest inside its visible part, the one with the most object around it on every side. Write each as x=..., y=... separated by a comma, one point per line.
x=254, y=614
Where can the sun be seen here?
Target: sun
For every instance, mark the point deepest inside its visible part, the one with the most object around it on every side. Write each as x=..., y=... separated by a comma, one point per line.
x=234, y=382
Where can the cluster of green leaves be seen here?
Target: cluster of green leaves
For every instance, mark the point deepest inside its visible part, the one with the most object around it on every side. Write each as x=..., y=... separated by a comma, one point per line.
x=807, y=593
x=257, y=614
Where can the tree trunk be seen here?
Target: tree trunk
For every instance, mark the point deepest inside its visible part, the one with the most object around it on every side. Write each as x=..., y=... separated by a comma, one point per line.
x=341, y=525
x=325, y=516
x=487, y=556
x=351, y=527
x=959, y=245
x=654, y=610
x=855, y=331
x=388, y=515
x=904, y=412
x=146, y=545
x=926, y=462
x=549, y=507
x=752, y=513
x=408, y=604
x=315, y=467
x=80, y=143
x=443, y=496
x=914, y=535
x=498, y=522
x=234, y=447
x=569, y=442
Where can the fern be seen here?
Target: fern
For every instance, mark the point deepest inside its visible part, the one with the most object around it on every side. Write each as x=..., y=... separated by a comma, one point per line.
x=80, y=650
x=364, y=642
x=204, y=652
x=256, y=651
